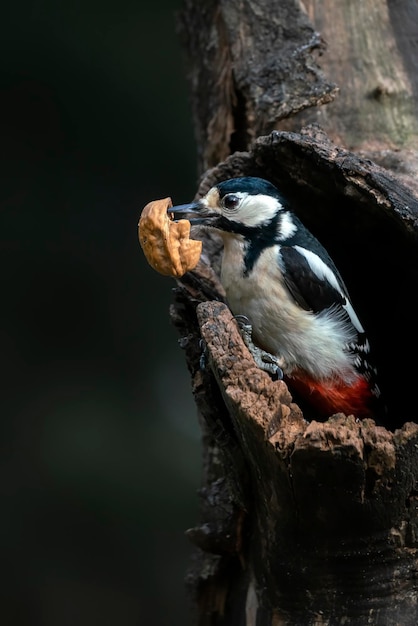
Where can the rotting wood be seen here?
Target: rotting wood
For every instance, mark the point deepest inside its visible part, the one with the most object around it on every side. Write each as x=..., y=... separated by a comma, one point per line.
x=302, y=523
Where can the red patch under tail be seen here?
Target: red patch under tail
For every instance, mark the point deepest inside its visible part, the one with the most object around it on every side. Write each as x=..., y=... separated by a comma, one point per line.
x=329, y=397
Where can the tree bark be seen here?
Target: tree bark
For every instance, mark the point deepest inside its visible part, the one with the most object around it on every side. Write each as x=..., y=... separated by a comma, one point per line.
x=250, y=66
x=302, y=522
x=371, y=56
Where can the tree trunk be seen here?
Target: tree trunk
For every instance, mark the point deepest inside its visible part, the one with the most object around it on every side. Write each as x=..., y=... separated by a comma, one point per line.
x=305, y=522
x=371, y=56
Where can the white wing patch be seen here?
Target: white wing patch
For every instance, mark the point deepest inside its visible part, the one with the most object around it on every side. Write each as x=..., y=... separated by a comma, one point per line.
x=325, y=273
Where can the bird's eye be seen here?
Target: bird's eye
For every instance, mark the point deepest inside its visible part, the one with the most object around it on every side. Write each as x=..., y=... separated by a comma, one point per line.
x=231, y=201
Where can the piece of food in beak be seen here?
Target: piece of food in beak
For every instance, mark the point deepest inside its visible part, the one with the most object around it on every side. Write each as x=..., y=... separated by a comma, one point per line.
x=166, y=243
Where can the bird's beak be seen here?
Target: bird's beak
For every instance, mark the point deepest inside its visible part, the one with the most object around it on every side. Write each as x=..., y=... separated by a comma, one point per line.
x=195, y=212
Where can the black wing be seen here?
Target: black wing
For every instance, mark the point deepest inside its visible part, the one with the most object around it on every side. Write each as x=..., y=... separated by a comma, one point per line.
x=316, y=286
x=312, y=283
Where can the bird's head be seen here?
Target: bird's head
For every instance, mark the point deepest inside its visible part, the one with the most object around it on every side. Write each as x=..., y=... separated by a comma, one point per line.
x=237, y=206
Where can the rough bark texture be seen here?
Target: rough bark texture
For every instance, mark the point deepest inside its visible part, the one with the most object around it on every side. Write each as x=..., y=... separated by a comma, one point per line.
x=372, y=57
x=252, y=64
x=302, y=522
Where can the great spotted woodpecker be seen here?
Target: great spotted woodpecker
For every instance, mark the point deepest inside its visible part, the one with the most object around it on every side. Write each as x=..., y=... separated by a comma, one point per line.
x=278, y=275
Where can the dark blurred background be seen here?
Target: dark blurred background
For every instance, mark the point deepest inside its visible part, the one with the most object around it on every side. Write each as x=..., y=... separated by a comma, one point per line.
x=100, y=449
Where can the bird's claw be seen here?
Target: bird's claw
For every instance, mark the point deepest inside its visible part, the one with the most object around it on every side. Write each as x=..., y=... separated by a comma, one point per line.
x=244, y=325
x=270, y=364
x=264, y=360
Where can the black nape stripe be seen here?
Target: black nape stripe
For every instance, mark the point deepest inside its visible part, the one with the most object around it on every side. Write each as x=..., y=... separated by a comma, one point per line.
x=261, y=238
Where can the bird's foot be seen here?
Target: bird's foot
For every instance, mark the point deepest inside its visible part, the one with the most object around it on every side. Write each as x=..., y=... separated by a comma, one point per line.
x=264, y=360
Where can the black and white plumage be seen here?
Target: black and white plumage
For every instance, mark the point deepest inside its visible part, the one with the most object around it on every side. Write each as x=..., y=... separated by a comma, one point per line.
x=278, y=275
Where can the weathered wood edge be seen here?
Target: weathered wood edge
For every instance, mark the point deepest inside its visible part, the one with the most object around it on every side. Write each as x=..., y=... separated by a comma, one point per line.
x=250, y=447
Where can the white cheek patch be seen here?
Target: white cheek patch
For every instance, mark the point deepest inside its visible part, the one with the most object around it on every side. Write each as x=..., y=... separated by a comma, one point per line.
x=256, y=209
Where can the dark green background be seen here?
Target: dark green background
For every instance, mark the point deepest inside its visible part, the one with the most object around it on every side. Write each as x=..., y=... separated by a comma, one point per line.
x=100, y=451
